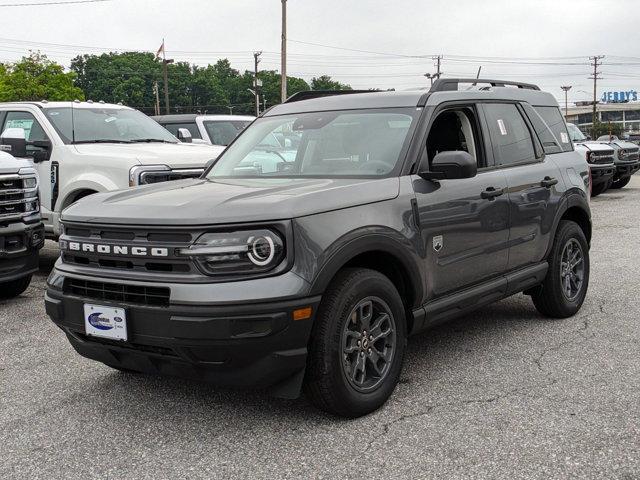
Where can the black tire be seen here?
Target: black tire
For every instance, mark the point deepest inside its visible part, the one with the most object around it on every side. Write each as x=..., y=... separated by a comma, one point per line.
x=551, y=298
x=14, y=287
x=599, y=188
x=326, y=382
x=620, y=183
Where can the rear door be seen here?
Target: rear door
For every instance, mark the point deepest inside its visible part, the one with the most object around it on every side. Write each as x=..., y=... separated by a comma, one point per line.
x=533, y=180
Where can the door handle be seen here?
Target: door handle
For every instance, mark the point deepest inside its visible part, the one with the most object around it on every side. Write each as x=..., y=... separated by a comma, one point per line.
x=548, y=182
x=491, y=193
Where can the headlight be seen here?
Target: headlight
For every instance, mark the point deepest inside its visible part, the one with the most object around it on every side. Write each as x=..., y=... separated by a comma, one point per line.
x=146, y=174
x=621, y=154
x=30, y=182
x=31, y=206
x=241, y=252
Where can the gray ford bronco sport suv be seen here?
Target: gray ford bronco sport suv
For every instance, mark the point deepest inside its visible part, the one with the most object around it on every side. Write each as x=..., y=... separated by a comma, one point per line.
x=398, y=211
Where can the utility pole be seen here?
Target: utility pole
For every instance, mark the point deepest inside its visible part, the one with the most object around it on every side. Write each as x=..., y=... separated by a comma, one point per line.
x=283, y=54
x=165, y=72
x=596, y=76
x=230, y=107
x=156, y=92
x=566, y=89
x=438, y=73
x=256, y=84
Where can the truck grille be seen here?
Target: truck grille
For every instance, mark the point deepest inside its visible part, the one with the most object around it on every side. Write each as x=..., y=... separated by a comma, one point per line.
x=631, y=154
x=179, y=267
x=117, y=292
x=601, y=157
x=17, y=199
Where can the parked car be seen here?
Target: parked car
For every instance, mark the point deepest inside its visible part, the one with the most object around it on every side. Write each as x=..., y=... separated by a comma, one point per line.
x=80, y=148
x=21, y=231
x=401, y=210
x=601, y=159
x=627, y=159
x=212, y=129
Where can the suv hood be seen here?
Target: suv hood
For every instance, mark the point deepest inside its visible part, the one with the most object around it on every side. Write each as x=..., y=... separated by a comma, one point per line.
x=175, y=155
x=205, y=202
x=594, y=146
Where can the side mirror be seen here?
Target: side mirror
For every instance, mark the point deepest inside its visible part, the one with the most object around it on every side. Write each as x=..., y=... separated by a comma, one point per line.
x=13, y=141
x=451, y=165
x=184, y=135
x=45, y=153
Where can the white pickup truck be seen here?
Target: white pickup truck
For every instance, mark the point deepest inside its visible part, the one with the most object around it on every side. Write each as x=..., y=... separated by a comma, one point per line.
x=80, y=148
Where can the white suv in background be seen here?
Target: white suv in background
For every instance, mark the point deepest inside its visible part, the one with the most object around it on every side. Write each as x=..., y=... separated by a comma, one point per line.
x=80, y=148
x=212, y=129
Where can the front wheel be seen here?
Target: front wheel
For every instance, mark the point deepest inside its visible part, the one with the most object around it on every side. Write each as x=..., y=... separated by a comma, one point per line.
x=565, y=286
x=620, y=183
x=357, y=344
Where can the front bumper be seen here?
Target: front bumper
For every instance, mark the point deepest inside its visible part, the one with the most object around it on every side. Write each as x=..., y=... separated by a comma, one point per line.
x=626, y=169
x=258, y=345
x=19, y=245
x=601, y=173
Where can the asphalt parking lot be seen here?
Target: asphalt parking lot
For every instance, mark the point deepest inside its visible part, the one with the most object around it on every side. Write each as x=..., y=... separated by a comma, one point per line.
x=502, y=393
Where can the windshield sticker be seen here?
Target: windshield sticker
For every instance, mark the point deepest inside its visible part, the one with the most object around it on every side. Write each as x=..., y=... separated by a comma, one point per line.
x=564, y=138
x=503, y=129
x=110, y=119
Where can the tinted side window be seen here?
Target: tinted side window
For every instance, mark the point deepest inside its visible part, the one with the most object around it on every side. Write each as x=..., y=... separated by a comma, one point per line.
x=553, y=118
x=192, y=127
x=33, y=131
x=510, y=136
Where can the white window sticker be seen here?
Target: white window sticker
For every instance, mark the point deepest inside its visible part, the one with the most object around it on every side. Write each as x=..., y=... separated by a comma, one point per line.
x=503, y=129
x=564, y=138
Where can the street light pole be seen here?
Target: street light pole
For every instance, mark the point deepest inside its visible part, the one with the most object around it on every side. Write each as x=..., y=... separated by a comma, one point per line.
x=566, y=89
x=283, y=54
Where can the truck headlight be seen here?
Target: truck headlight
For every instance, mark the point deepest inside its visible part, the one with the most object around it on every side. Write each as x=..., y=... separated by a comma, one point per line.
x=239, y=252
x=146, y=174
x=621, y=154
x=30, y=182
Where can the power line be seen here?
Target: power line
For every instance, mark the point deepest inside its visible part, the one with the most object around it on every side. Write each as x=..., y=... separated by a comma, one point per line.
x=41, y=4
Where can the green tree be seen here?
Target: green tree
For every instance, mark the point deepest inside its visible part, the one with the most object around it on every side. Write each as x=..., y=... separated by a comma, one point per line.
x=35, y=77
x=602, y=129
x=324, y=82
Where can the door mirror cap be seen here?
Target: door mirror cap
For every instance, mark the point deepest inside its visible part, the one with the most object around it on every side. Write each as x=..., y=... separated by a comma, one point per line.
x=451, y=165
x=13, y=141
x=184, y=135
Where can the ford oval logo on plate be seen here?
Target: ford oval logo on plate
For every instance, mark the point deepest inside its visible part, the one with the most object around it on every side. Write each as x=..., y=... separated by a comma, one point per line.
x=105, y=321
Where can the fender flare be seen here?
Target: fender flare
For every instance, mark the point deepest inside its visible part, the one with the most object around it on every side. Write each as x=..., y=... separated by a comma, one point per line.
x=373, y=242
x=573, y=198
x=96, y=183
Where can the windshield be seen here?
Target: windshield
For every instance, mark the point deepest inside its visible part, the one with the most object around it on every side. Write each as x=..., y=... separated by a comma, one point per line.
x=106, y=125
x=350, y=143
x=574, y=133
x=223, y=132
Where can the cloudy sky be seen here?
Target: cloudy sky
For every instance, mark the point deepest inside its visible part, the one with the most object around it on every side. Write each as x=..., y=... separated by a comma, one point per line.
x=366, y=43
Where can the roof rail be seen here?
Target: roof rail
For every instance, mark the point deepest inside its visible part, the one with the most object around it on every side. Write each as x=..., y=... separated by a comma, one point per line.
x=309, y=94
x=451, y=84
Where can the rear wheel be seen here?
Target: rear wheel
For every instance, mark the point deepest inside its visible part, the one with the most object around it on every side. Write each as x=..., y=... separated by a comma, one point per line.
x=565, y=286
x=620, y=183
x=14, y=287
x=357, y=344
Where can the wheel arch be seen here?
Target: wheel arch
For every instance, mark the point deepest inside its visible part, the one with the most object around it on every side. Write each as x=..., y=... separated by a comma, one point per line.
x=384, y=254
x=574, y=207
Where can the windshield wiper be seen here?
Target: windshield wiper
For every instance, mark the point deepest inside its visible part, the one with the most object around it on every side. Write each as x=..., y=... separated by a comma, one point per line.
x=150, y=140
x=101, y=140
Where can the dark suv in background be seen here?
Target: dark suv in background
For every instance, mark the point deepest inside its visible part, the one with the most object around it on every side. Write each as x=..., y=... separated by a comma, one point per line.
x=395, y=212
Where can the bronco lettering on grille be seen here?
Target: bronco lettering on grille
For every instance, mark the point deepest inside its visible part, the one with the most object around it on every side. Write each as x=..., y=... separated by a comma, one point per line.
x=115, y=249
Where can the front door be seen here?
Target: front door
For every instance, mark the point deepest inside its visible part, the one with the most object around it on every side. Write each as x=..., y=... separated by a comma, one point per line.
x=464, y=222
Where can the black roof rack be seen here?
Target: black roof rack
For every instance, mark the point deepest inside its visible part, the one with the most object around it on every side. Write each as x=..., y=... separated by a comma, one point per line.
x=451, y=84
x=309, y=94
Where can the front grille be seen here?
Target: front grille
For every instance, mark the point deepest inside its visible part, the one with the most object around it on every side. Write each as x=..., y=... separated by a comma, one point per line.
x=601, y=157
x=16, y=199
x=169, y=175
x=631, y=154
x=117, y=292
x=112, y=236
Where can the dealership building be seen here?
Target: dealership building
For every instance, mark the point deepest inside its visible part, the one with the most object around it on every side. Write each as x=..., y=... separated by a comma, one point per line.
x=614, y=107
